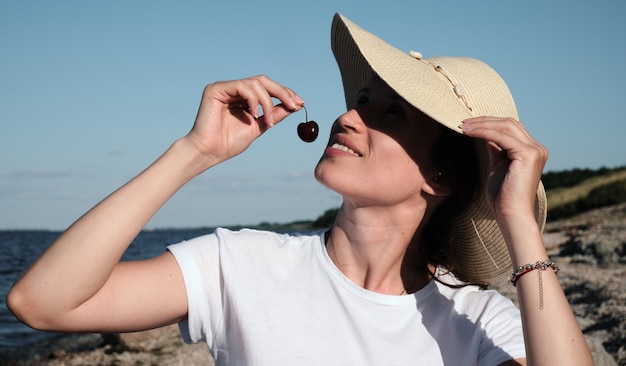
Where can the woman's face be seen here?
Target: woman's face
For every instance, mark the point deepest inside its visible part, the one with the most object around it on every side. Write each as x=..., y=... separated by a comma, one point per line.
x=378, y=152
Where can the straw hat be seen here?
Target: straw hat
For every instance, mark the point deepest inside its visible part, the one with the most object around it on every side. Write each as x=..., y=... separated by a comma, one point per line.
x=449, y=90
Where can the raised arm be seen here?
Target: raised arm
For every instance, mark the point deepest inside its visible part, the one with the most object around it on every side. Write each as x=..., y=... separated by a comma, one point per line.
x=551, y=333
x=79, y=284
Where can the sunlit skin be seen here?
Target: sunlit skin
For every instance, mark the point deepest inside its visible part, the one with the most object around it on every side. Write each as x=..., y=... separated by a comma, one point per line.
x=390, y=142
x=378, y=159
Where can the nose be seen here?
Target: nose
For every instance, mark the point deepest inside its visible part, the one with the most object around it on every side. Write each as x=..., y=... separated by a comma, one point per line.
x=351, y=120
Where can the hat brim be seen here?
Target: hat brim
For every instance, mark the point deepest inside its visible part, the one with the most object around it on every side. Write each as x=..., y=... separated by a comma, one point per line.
x=481, y=253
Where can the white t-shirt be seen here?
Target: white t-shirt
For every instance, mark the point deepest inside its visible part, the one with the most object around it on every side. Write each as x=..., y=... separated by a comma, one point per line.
x=262, y=298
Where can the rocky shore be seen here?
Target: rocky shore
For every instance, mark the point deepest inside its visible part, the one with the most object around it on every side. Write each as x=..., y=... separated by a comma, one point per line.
x=161, y=346
x=589, y=248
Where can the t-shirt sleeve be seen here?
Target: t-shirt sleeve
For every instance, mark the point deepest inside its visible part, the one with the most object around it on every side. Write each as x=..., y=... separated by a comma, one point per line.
x=198, y=260
x=504, y=338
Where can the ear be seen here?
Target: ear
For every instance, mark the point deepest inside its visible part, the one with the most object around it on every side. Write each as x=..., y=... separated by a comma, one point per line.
x=437, y=185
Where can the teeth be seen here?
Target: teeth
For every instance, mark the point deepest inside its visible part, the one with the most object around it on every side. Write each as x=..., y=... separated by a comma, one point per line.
x=344, y=148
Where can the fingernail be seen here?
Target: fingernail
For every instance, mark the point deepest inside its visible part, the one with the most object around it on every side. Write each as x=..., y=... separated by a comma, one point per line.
x=269, y=119
x=465, y=126
x=292, y=104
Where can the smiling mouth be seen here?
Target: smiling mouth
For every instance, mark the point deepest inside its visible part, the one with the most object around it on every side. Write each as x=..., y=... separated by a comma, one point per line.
x=341, y=147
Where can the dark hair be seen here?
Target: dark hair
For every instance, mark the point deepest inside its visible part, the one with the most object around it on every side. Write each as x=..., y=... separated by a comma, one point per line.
x=454, y=155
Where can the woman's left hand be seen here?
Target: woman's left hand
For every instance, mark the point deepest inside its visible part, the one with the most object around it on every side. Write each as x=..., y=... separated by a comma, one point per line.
x=551, y=333
x=516, y=162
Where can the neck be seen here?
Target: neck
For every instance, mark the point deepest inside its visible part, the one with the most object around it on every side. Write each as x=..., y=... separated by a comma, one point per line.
x=377, y=251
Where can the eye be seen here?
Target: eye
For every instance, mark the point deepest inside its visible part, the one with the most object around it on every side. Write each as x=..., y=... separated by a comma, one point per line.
x=361, y=99
x=394, y=110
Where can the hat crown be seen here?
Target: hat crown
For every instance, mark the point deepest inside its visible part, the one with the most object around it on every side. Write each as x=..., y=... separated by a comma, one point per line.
x=447, y=89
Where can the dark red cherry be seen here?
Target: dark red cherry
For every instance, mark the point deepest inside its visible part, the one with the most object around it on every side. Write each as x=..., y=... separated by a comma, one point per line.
x=308, y=130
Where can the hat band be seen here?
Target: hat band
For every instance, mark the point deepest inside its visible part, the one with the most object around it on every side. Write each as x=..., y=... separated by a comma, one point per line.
x=457, y=88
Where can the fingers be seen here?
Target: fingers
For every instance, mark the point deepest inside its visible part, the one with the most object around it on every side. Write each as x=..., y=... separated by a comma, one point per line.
x=268, y=89
x=229, y=119
x=506, y=135
x=493, y=128
x=516, y=163
x=259, y=91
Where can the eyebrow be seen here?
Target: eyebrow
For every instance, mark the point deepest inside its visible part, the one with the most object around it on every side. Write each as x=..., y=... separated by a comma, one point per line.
x=390, y=93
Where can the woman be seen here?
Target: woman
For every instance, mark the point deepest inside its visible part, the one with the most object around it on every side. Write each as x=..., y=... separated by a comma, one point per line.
x=440, y=188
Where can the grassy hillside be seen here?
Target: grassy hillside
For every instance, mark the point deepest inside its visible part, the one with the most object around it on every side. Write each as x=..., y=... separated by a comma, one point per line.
x=563, y=195
x=598, y=191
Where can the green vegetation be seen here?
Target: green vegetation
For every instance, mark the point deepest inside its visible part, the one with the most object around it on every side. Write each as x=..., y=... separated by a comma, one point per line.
x=596, y=191
x=610, y=193
x=327, y=218
x=323, y=221
x=572, y=177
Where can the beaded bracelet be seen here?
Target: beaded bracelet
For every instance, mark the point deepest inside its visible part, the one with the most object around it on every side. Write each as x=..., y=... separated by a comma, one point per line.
x=542, y=266
x=520, y=271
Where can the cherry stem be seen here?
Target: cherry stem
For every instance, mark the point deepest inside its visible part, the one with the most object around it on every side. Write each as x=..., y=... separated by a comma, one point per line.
x=306, y=114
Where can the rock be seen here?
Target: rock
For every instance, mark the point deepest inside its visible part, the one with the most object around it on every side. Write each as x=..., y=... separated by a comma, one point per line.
x=591, y=251
x=161, y=346
x=592, y=255
x=600, y=356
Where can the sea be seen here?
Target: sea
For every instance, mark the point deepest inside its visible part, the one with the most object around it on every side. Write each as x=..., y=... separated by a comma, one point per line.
x=19, y=248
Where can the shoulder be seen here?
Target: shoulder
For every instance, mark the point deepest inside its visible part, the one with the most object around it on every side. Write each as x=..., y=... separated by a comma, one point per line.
x=249, y=237
x=224, y=244
x=254, y=237
x=251, y=243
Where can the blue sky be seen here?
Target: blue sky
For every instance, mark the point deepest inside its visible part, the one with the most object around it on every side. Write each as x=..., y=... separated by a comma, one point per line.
x=92, y=92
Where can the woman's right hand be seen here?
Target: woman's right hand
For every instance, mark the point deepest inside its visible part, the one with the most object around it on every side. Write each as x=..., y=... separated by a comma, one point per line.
x=229, y=117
